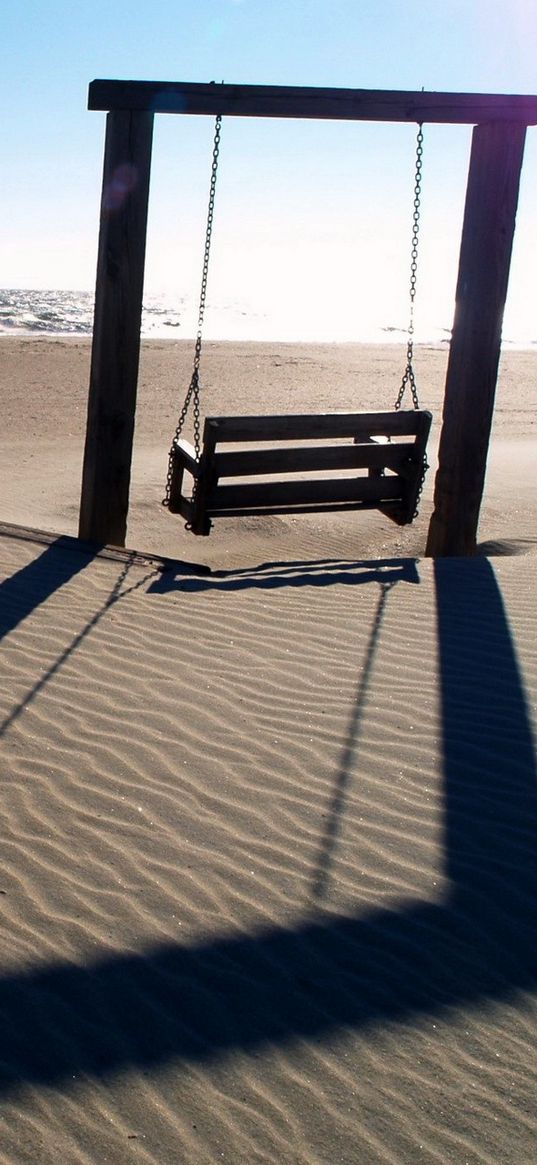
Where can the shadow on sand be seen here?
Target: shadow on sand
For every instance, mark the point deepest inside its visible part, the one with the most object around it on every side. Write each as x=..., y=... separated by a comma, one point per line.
x=271, y=576
x=332, y=973
x=25, y=591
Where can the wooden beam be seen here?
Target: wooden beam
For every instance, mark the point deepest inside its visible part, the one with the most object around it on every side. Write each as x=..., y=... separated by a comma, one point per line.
x=487, y=237
x=116, y=332
x=284, y=101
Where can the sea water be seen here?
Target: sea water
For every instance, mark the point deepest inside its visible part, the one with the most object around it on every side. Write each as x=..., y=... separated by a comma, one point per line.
x=57, y=313
x=70, y=313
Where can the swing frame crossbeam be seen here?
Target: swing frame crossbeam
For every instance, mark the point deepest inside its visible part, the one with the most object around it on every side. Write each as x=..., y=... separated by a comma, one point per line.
x=498, y=138
x=311, y=103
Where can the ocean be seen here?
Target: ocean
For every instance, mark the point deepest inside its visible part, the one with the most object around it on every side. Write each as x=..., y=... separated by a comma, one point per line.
x=70, y=313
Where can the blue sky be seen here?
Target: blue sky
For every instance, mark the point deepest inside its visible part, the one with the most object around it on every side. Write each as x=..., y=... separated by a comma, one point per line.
x=316, y=214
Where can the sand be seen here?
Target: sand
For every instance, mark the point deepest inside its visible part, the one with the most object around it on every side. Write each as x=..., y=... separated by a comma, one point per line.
x=268, y=878
x=43, y=396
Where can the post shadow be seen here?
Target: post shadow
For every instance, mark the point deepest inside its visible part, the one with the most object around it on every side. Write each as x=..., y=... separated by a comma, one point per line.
x=336, y=973
x=32, y=585
x=24, y=591
x=489, y=758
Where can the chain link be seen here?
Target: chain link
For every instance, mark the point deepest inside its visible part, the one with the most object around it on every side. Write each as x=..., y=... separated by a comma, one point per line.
x=409, y=378
x=421, y=483
x=193, y=391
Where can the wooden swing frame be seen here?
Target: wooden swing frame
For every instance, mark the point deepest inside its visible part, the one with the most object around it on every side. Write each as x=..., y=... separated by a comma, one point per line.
x=489, y=221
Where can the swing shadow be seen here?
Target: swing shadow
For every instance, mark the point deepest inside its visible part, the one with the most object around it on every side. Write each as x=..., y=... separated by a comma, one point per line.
x=270, y=576
x=63, y=558
x=333, y=973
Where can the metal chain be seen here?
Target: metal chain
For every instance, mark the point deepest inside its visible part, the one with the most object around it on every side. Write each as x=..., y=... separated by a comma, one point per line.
x=421, y=483
x=193, y=392
x=409, y=378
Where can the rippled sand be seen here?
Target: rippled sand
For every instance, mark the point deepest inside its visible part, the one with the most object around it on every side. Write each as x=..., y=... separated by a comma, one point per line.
x=268, y=860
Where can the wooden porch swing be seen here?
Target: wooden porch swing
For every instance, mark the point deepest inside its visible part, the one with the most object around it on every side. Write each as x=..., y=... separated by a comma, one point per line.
x=381, y=465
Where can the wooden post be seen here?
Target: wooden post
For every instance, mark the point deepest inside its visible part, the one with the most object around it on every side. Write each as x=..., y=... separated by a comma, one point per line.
x=116, y=332
x=489, y=223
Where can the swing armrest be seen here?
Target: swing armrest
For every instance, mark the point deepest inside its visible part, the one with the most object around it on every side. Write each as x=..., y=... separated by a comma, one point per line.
x=186, y=456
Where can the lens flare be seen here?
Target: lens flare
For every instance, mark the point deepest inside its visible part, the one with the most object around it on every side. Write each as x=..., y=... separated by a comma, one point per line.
x=123, y=181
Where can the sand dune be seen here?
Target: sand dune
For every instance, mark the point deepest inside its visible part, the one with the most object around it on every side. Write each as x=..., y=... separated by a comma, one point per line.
x=268, y=878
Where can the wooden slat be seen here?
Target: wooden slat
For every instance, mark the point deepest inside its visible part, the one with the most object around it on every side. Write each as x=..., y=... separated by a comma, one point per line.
x=307, y=427
x=240, y=463
x=184, y=507
x=294, y=101
x=200, y=523
x=183, y=458
x=390, y=509
x=186, y=456
x=424, y=420
x=291, y=493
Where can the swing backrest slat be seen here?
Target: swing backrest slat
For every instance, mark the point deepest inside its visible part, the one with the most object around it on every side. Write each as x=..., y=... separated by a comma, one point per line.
x=306, y=426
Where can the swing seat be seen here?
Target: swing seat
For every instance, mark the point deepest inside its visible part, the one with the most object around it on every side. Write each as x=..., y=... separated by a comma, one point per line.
x=379, y=459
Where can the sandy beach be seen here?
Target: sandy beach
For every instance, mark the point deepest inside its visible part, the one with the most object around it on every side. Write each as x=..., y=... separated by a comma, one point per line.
x=43, y=393
x=269, y=814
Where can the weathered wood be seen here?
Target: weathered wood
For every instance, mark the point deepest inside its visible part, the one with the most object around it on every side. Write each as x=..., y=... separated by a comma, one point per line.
x=285, y=495
x=206, y=481
x=116, y=332
x=286, y=101
x=186, y=455
x=395, y=493
x=302, y=459
x=186, y=509
x=318, y=426
x=492, y=195
x=489, y=223
x=390, y=509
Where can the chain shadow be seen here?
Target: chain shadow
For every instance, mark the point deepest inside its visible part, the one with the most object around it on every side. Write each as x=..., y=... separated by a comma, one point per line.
x=334, y=973
x=26, y=590
x=348, y=753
